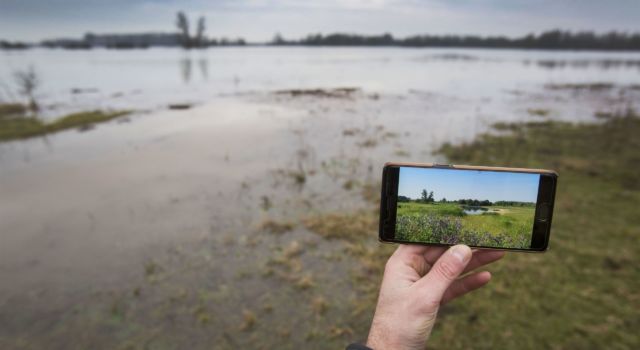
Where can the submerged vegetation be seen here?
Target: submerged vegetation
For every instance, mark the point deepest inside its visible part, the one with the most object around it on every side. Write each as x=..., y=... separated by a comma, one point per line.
x=15, y=125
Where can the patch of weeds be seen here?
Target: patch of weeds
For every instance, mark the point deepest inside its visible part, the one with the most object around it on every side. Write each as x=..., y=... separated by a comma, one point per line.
x=267, y=307
x=292, y=250
x=249, y=320
x=244, y=272
x=368, y=143
x=390, y=135
x=319, y=305
x=267, y=271
x=305, y=282
x=337, y=332
x=180, y=106
x=265, y=203
x=371, y=193
x=349, y=184
x=289, y=259
x=299, y=177
x=253, y=240
x=581, y=86
x=201, y=315
x=274, y=226
x=349, y=227
x=311, y=335
x=284, y=332
x=15, y=128
x=401, y=153
x=342, y=92
x=539, y=112
x=151, y=270
x=351, y=132
x=12, y=110
x=229, y=239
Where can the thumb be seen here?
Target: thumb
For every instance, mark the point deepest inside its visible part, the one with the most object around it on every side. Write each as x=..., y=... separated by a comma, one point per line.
x=449, y=266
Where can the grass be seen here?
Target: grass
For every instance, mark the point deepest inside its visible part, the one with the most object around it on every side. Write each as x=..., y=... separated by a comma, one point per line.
x=540, y=112
x=10, y=109
x=498, y=226
x=14, y=125
x=277, y=227
x=581, y=86
x=584, y=293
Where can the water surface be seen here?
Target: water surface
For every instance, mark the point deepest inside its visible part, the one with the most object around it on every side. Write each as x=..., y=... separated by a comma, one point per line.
x=156, y=222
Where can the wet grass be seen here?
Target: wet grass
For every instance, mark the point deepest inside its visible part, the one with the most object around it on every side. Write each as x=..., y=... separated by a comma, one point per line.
x=539, y=112
x=584, y=292
x=597, y=86
x=14, y=125
x=274, y=226
x=12, y=109
x=341, y=92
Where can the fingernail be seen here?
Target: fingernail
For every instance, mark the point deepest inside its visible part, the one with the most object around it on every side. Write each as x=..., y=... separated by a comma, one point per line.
x=461, y=252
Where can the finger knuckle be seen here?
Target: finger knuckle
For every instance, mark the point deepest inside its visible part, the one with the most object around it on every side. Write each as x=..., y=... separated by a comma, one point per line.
x=447, y=270
x=389, y=265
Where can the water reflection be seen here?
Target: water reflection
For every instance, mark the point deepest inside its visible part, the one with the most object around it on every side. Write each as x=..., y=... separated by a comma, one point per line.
x=204, y=68
x=186, y=69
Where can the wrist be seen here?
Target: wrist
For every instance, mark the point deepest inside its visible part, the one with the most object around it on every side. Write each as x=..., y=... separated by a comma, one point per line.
x=382, y=337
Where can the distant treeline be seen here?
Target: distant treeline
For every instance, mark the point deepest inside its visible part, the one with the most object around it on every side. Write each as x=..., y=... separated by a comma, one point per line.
x=554, y=39
x=465, y=202
x=12, y=45
x=139, y=41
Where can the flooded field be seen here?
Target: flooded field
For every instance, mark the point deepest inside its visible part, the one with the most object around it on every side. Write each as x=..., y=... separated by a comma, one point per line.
x=236, y=205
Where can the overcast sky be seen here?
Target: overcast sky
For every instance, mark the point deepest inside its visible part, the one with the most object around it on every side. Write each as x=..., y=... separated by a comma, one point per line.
x=258, y=20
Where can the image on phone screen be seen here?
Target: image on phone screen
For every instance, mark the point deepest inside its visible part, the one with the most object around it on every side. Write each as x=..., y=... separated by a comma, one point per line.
x=473, y=207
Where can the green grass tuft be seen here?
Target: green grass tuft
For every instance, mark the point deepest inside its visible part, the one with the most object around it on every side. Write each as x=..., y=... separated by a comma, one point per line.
x=15, y=126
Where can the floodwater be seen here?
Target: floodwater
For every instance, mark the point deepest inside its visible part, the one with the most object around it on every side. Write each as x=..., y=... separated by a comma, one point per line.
x=153, y=230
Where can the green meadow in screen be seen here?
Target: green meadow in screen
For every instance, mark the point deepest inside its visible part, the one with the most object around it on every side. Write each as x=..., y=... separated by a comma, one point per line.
x=479, y=208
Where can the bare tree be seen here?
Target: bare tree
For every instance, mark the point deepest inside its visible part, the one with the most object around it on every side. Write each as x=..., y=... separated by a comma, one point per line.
x=182, y=22
x=200, y=40
x=28, y=82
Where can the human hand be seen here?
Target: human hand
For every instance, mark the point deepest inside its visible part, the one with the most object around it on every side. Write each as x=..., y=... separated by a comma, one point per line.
x=417, y=280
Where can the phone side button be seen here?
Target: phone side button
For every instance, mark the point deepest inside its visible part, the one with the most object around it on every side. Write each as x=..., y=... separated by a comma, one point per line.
x=543, y=212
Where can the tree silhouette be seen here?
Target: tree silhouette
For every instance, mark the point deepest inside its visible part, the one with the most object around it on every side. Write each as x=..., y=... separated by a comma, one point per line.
x=28, y=82
x=182, y=22
x=200, y=40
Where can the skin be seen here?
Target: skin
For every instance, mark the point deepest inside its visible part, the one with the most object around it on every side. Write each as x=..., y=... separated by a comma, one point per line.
x=417, y=280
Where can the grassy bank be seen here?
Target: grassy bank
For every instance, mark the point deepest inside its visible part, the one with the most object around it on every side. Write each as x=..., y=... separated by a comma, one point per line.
x=15, y=125
x=584, y=293
x=503, y=226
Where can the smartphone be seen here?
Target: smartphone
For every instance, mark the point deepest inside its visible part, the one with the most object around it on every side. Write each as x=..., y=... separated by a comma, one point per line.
x=482, y=207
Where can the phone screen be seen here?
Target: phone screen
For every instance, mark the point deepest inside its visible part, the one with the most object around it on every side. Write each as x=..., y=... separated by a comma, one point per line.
x=474, y=207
